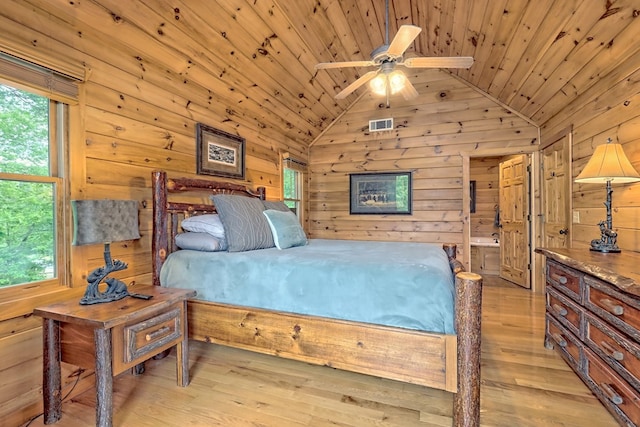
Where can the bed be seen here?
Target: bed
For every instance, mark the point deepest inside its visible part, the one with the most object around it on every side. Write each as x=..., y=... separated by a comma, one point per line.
x=400, y=349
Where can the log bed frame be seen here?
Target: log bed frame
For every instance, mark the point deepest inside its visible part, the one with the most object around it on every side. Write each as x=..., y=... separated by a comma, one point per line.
x=446, y=362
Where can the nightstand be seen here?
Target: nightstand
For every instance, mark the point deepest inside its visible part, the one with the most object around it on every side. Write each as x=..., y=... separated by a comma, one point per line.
x=111, y=338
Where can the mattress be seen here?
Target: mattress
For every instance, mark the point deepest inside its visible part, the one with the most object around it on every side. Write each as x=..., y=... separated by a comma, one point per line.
x=407, y=285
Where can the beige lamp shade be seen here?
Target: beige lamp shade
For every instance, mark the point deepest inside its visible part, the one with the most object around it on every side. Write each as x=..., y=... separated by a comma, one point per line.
x=608, y=163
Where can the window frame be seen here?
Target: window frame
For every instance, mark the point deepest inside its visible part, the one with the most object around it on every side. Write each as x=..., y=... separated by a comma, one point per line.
x=59, y=124
x=297, y=184
x=300, y=169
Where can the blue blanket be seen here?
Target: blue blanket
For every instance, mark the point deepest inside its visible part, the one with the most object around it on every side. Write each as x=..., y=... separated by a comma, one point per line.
x=408, y=285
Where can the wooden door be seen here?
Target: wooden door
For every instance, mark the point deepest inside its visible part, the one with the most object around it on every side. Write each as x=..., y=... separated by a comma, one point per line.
x=514, y=225
x=556, y=194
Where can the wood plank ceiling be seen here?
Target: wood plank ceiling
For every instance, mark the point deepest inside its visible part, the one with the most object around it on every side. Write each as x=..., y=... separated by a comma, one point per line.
x=533, y=56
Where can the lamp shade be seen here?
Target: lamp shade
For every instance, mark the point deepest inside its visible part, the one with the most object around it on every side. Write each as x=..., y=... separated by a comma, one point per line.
x=608, y=163
x=104, y=221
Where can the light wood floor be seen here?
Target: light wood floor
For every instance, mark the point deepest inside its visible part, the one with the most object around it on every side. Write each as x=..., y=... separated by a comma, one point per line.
x=523, y=384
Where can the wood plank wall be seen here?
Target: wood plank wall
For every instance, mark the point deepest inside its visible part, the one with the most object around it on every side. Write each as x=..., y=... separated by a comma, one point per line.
x=431, y=133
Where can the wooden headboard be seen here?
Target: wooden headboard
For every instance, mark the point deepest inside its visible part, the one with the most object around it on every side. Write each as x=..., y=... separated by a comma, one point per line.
x=167, y=214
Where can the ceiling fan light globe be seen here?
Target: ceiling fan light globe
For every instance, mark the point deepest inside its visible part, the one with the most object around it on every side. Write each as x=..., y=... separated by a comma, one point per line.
x=397, y=81
x=379, y=84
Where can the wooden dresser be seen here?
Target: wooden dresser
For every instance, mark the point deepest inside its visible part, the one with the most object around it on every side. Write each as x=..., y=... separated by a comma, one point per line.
x=593, y=319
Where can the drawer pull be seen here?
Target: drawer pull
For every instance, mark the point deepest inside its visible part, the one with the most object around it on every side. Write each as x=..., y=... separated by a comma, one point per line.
x=558, y=338
x=560, y=310
x=611, y=307
x=155, y=334
x=559, y=278
x=611, y=394
x=611, y=352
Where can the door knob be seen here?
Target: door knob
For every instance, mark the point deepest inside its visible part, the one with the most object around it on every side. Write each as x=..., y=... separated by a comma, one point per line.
x=564, y=231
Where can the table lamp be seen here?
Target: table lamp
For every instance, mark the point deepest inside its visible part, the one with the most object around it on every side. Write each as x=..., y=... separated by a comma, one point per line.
x=608, y=164
x=104, y=221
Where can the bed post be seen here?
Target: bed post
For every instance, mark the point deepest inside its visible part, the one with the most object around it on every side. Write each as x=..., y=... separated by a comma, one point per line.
x=466, y=404
x=159, y=239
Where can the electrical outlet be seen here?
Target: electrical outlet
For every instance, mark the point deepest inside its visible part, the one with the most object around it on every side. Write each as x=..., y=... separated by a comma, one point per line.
x=576, y=217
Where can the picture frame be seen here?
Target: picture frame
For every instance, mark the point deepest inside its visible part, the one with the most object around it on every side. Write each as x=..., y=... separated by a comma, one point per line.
x=219, y=153
x=383, y=193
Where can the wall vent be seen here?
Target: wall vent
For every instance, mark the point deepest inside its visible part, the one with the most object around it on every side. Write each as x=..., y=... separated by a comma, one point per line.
x=380, y=125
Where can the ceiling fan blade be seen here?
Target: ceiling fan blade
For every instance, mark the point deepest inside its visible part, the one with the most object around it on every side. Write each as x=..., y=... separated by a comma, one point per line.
x=326, y=65
x=403, y=39
x=355, y=85
x=439, y=62
x=409, y=91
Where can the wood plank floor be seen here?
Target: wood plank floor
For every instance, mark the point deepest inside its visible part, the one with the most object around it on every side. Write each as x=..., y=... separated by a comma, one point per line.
x=523, y=384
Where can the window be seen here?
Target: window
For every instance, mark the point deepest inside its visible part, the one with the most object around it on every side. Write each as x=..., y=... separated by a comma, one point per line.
x=32, y=191
x=292, y=184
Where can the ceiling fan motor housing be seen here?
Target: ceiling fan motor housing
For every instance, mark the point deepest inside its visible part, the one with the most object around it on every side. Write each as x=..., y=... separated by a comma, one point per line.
x=380, y=55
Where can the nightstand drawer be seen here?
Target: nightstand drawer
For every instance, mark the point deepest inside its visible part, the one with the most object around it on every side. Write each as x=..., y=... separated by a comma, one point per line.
x=142, y=339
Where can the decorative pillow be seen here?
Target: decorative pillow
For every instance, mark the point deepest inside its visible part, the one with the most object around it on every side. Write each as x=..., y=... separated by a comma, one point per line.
x=286, y=229
x=278, y=206
x=200, y=242
x=245, y=227
x=209, y=223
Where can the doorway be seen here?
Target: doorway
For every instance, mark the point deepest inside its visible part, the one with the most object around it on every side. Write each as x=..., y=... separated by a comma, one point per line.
x=501, y=189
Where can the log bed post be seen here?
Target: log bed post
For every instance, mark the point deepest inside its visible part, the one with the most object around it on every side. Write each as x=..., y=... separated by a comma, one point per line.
x=159, y=237
x=466, y=403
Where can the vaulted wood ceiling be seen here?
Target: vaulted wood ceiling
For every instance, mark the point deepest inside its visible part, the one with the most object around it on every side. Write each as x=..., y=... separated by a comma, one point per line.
x=533, y=56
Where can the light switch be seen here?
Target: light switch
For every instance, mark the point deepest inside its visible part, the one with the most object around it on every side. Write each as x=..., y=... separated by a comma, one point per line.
x=576, y=217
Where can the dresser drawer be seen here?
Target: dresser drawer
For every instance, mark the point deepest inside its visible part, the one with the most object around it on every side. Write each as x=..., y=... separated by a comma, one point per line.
x=145, y=339
x=616, y=308
x=614, y=391
x=565, y=280
x=616, y=349
x=561, y=338
x=564, y=310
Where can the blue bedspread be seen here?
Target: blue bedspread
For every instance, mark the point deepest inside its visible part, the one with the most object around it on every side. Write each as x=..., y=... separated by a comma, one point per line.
x=408, y=285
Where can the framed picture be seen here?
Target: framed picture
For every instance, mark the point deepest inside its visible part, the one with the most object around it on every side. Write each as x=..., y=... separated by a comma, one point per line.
x=380, y=193
x=219, y=153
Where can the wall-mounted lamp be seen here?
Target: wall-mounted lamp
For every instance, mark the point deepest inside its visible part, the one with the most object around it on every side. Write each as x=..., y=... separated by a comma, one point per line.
x=608, y=164
x=104, y=221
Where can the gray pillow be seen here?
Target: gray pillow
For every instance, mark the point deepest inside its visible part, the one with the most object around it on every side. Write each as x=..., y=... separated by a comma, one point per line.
x=278, y=206
x=200, y=242
x=245, y=227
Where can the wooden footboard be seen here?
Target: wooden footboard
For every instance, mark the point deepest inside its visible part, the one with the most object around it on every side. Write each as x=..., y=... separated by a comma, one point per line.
x=399, y=354
x=447, y=362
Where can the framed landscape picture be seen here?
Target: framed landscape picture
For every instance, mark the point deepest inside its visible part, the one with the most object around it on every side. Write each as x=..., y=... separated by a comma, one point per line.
x=380, y=193
x=219, y=153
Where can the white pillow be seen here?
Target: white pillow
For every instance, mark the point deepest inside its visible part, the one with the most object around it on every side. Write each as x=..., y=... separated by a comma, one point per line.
x=209, y=223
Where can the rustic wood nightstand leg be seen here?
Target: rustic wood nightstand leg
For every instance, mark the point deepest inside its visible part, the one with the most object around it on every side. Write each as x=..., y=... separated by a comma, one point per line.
x=104, y=378
x=51, y=371
x=182, y=353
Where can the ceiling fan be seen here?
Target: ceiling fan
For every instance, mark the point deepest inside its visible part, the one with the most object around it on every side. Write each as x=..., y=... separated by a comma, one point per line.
x=387, y=79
